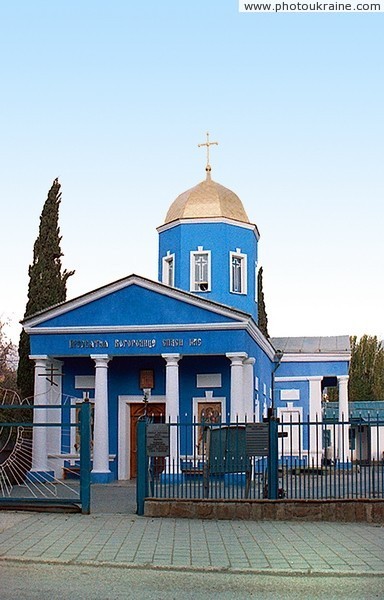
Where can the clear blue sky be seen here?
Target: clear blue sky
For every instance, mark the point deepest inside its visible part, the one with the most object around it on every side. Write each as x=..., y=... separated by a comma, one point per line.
x=114, y=96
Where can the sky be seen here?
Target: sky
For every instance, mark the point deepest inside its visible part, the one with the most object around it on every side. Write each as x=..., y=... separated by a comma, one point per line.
x=113, y=98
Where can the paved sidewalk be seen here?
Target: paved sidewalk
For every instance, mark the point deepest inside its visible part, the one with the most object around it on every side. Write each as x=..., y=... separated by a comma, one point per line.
x=124, y=540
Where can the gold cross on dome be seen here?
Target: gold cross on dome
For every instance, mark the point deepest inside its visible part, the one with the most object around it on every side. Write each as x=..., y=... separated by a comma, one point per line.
x=208, y=144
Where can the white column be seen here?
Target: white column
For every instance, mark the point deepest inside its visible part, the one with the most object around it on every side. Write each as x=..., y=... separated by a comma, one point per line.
x=172, y=400
x=39, y=447
x=54, y=416
x=249, y=390
x=100, y=432
x=343, y=452
x=237, y=384
x=315, y=416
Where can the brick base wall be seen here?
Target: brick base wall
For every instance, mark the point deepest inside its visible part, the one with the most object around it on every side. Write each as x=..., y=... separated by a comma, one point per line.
x=368, y=511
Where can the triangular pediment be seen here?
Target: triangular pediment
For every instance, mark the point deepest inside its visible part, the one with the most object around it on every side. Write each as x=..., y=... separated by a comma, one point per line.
x=133, y=302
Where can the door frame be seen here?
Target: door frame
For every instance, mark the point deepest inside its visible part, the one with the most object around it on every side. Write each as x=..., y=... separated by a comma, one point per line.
x=124, y=429
x=294, y=438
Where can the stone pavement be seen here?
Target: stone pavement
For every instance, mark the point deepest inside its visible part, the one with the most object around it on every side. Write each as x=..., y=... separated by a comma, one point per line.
x=113, y=535
x=128, y=540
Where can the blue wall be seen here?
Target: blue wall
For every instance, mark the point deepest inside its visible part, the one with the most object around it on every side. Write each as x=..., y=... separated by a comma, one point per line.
x=220, y=239
x=304, y=369
x=134, y=305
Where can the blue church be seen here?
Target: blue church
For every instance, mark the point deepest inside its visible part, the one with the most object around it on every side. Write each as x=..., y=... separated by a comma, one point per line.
x=188, y=344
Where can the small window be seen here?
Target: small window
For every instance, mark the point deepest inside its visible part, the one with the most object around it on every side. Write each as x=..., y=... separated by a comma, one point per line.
x=169, y=269
x=201, y=271
x=238, y=272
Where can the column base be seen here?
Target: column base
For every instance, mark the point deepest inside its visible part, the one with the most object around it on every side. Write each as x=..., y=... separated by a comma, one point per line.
x=102, y=476
x=40, y=476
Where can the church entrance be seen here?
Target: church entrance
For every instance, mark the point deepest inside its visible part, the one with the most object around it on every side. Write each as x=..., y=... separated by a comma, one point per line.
x=156, y=411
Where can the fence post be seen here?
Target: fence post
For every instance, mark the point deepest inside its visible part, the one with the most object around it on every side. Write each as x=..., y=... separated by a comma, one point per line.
x=273, y=484
x=142, y=466
x=85, y=457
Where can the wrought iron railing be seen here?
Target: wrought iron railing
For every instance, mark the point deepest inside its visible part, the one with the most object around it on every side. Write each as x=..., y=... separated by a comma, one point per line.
x=278, y=459
x=38, y=465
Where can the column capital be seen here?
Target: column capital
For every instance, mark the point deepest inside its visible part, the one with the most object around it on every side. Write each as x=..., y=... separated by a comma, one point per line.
x=57, y=362
x=40, y=360
x=39, y=357
x=342, y=378
x=171, y=359
x=249, y=361
x=236, y=357
x=101, y=360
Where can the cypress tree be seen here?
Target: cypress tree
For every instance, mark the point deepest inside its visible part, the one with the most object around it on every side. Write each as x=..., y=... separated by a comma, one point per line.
x=47, y=282
x=262, y=313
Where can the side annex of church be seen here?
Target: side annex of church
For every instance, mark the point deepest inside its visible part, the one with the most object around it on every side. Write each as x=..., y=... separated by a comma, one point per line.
x=188, y=343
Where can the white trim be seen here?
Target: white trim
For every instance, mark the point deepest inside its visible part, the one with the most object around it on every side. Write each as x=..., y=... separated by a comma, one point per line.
x=192, y=265
x=236, y=355
x=136, y=328
x=193, y=221
x=262, y=342
x=290, y=408
x=289, y=394
x=243, y=272
x=85, y=382
x=304, y=378
x=208, y=380
x=318, y=357
x=166, y=260
x=124, y=428
x=291, y=442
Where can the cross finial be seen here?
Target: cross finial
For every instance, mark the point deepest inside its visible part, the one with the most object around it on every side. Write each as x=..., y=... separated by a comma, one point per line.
x=208, y=144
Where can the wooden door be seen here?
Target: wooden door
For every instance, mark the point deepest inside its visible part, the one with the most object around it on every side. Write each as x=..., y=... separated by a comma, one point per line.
x=154, y=410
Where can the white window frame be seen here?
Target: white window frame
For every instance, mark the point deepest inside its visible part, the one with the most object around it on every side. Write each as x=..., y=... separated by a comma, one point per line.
x=243, y=273
x=167, y=261
x=202, y=285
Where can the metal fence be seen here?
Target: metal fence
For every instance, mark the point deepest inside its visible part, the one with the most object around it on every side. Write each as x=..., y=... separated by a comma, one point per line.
x=37, y=463
x=272, y=460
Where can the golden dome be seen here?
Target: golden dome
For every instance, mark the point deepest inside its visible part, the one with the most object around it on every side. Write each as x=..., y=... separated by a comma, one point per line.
x=207, y=199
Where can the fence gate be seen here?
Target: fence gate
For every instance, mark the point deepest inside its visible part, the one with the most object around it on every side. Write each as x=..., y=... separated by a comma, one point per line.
x=45, y=456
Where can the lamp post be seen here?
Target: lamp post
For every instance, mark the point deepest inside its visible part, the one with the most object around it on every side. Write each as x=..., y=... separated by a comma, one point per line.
x=278, y=358
x=273, y=458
